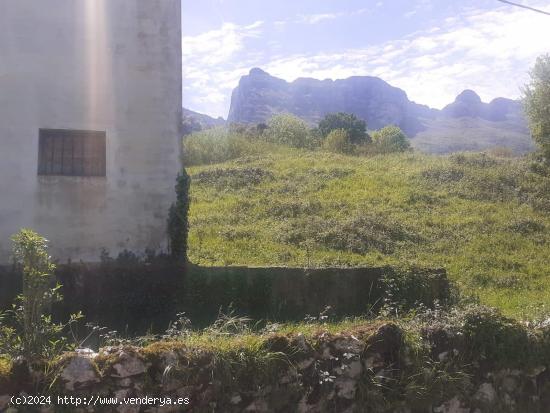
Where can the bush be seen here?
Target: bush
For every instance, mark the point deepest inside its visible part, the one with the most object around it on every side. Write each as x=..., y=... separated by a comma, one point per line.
x=28, y=329
x=537, y=105
x=31, y=253
x=491, y=337
x=390, y=139
x=338, y=141
x=355, y=128
x=483, y=337
x=286, y=129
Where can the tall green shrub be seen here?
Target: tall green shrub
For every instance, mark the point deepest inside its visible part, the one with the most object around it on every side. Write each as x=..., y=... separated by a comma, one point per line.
x=338, y=141
x=30, y=251
x=390, y=139
x=287, y=129
x=28, y=328
x=537, y=104
x=178, y=221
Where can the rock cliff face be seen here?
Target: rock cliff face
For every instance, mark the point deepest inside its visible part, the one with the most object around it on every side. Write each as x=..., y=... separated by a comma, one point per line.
x=498, y=123
x=260, y=95
x=469, y=104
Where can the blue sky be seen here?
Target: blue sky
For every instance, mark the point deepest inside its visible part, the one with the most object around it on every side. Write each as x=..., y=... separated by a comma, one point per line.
x=433, y=49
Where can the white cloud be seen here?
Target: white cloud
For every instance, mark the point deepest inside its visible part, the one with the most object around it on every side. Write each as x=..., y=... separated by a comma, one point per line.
x=207, y=81
x=218, y=46
x=488, y=51
x=316, y=18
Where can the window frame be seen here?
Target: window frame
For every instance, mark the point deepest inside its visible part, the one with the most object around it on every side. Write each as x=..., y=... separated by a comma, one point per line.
x=72, y=152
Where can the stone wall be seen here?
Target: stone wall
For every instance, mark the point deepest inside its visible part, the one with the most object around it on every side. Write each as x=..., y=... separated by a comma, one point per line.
x=371, y=368
x=137, y=297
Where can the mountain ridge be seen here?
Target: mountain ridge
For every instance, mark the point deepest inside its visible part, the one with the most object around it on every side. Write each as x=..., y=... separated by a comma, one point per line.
x=194, y=121
x=260, y=95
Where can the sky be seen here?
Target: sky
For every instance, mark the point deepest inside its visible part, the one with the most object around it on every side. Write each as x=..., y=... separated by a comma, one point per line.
x=432, y=49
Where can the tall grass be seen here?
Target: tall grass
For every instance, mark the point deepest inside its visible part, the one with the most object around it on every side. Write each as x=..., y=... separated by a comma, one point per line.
x=484, y=219
x=220, y=144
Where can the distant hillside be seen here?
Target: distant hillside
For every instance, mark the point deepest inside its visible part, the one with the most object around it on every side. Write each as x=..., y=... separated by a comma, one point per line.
x=466, y=124
x=447, y=135
x=469, y=104
x=194, y=121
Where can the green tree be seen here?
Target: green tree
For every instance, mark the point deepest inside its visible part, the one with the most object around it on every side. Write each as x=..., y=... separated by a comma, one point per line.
x=287, y=129
x=390, y=139
x=537, y=104
x=338, y=141
x=356, y=128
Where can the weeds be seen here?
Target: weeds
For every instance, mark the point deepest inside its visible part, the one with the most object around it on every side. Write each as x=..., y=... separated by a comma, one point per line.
x=28, y=329
x=482, y=219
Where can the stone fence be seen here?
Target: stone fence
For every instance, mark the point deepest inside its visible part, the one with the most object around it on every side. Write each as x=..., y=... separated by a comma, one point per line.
x=138, y=297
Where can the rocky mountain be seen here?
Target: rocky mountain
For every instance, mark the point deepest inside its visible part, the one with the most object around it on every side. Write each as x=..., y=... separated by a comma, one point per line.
x=260, y=95
x=469, y=104
x=468, y=123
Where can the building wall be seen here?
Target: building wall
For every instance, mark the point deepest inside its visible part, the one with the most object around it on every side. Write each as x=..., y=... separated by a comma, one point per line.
x=108, y=65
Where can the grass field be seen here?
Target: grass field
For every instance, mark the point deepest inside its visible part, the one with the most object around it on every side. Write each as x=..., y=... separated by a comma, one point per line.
x=486, y=220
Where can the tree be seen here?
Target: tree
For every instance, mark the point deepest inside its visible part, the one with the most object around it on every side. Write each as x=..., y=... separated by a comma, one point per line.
x=287, y=129
x=537, y=104
x=178, y=221
x=338, y=141
x=356, y=128
x=390, y=139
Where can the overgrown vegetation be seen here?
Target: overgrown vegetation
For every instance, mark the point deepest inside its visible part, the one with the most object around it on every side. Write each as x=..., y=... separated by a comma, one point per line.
x=482, y=217
x=28, y=329
x=416, y=360
x=178, y=218
x=286, y=129
x=537, y=105
x=220, y=144
x=337, y=132
x=354, y=128
x=390, y=139
x=338, y=141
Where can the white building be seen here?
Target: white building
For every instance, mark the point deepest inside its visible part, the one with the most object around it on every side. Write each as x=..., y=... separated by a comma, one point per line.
x=90, y=111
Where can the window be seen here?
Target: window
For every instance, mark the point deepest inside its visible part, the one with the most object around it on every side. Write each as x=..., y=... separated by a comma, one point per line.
x=71, y=152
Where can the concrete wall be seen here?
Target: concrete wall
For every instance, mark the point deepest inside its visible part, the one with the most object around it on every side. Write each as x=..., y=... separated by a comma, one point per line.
x=108, y=65
x=131, y=296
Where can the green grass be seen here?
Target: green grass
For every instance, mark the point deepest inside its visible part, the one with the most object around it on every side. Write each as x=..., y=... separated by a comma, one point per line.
x=486, y=220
